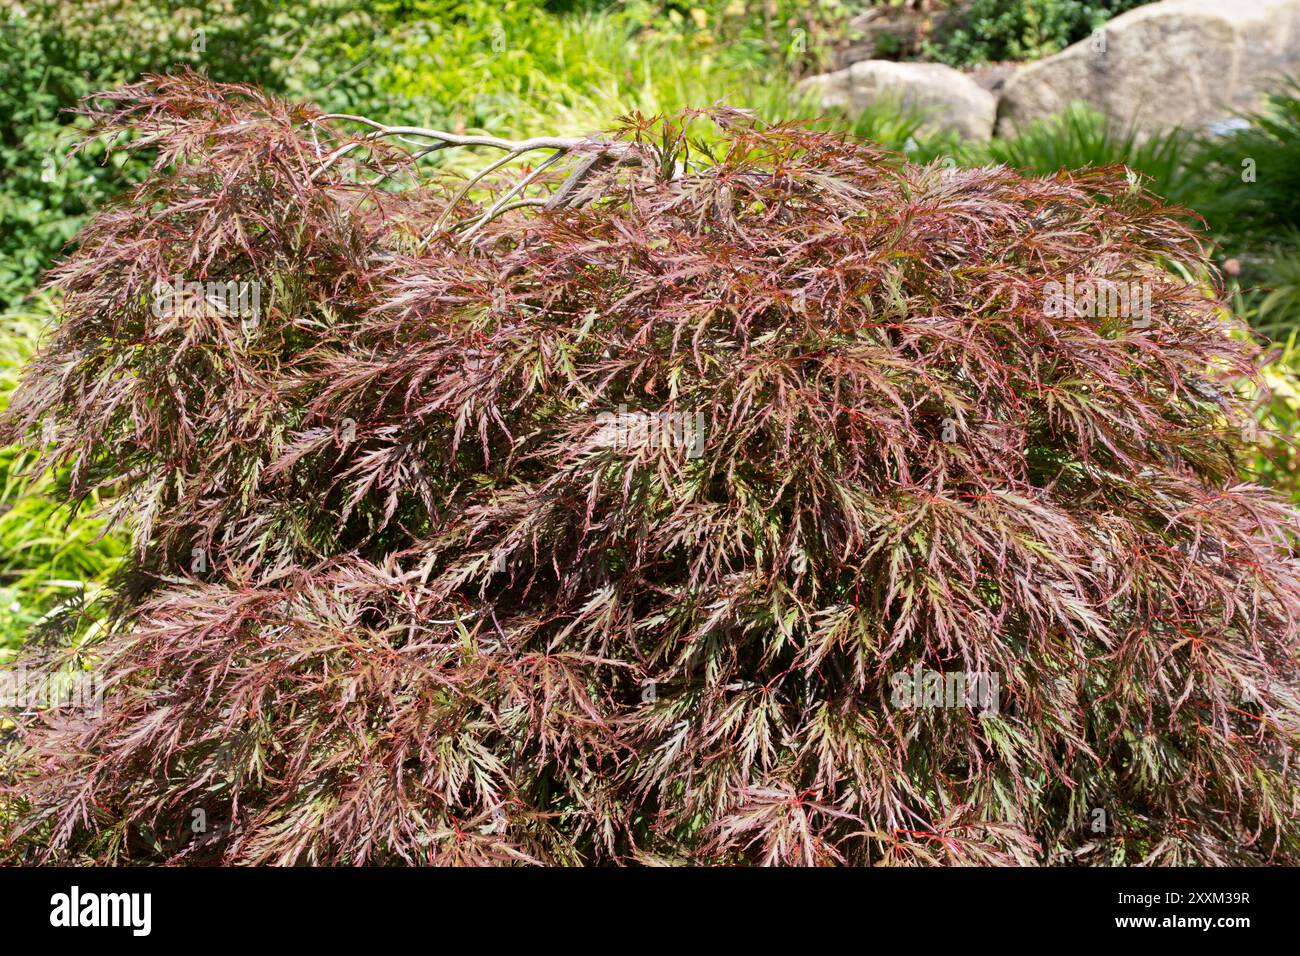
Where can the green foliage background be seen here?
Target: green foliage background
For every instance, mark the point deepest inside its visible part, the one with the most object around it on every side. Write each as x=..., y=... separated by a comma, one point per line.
x=521, y=67
x=996, y=30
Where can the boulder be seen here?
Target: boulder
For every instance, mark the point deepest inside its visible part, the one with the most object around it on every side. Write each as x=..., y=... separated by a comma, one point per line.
x=1187, y=63
x=949, y=99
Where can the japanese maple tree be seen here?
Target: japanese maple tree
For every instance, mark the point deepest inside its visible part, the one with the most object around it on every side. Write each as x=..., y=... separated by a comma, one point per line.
x=581, y=501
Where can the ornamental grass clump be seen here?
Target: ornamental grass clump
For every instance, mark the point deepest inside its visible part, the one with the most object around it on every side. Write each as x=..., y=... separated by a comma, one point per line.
x=639, y=499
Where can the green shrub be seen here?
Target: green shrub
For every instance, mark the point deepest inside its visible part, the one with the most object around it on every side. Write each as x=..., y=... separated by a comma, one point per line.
x=1252, y=177
x=996, y=30
x=1248, y=189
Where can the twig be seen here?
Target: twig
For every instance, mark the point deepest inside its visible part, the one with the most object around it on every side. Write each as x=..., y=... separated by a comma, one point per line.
x=598, y=152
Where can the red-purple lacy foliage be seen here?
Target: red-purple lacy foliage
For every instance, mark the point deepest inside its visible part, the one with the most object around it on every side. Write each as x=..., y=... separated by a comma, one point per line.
x=466, y=601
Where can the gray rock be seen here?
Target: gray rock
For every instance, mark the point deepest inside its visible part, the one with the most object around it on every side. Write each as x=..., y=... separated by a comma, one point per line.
x=1188, y=63
x=993, y=76
x=950, y=100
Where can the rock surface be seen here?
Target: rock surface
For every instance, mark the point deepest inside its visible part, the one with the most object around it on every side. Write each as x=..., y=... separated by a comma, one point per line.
x=1188, y=63
x=949, y=99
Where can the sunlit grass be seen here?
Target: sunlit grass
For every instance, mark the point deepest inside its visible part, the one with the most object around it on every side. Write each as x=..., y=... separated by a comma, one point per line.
x=48, y=557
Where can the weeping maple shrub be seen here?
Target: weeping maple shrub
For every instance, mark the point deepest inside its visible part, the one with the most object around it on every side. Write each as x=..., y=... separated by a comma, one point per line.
x=589, y=511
